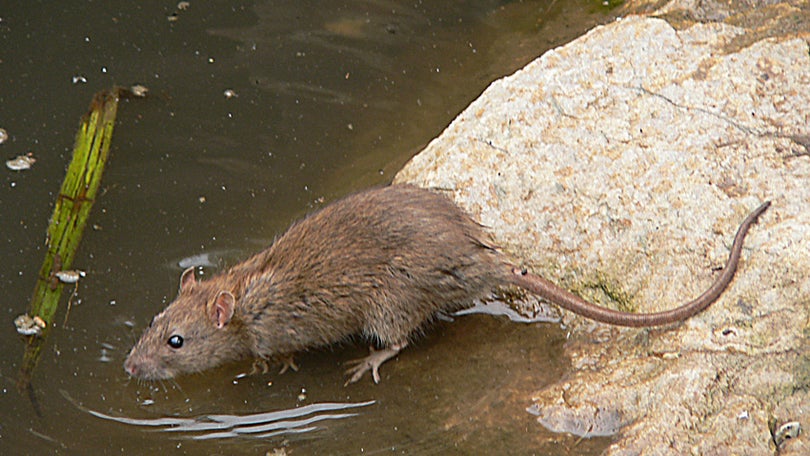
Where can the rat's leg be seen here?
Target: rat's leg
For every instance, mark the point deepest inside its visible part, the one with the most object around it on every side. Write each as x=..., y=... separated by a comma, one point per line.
x=262, y=364
x=287, y=363
x=372, y=362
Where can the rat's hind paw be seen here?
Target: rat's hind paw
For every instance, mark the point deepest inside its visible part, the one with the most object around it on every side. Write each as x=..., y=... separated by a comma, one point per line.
x=372, y=363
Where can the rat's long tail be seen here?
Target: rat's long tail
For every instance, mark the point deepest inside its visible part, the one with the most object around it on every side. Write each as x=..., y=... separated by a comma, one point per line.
x=574, y=303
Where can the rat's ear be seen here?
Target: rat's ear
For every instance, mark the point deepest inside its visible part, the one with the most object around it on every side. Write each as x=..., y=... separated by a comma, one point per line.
x=221, y=309
x=187, y=279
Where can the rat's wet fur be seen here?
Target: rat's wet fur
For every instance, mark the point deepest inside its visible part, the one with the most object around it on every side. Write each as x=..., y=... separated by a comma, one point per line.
x=380, y=264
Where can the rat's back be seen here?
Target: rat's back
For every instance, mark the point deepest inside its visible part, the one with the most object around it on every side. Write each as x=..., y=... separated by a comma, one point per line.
x=381, y=262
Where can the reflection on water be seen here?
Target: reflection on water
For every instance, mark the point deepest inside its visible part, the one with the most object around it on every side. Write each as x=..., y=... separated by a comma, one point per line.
x=332, y=97
x=519, y=309
x=255, y=425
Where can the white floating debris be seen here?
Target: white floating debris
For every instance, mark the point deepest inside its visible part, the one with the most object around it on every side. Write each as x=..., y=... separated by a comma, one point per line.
x=70, y=276
x=3, y=135
x=230, y=93
x=182, y=6
x=21, y=163
x=29, y=326
x=139, y=90
x=79, y=79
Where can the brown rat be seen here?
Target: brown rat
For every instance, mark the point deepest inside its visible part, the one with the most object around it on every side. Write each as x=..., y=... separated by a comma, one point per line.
x=380, y=263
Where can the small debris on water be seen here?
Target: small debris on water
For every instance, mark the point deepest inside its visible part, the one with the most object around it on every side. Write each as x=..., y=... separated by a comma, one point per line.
x=79, y=79
x=230, y=93
x=70, y=276
x=3, y=135
x=139, y=90
x=182, y=6
x=202, y=259
x=29, y=326
x=21, y=162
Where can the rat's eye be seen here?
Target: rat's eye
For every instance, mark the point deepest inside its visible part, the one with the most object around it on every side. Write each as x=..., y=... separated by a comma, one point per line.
x=176, y=341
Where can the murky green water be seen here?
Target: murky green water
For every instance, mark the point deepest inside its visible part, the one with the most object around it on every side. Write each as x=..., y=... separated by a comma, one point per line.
x=330, y=97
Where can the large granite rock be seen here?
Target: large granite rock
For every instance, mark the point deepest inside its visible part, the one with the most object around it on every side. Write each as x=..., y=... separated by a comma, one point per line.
x=620, y=166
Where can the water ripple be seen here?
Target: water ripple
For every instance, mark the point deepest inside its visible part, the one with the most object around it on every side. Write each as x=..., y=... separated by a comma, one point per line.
x=256, y=425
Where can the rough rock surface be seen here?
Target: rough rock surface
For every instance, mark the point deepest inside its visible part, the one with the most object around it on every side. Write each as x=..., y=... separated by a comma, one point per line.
x=620, y=166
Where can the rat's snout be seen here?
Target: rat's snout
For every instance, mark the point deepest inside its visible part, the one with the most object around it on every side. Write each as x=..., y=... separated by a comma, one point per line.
x=138, y=364
x=145, y=366
x=131, y=367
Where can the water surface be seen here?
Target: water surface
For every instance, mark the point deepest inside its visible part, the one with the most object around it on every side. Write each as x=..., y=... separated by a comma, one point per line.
x=326, y=97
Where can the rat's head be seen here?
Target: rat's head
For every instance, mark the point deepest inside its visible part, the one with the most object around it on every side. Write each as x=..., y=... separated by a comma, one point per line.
x=194, y=333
